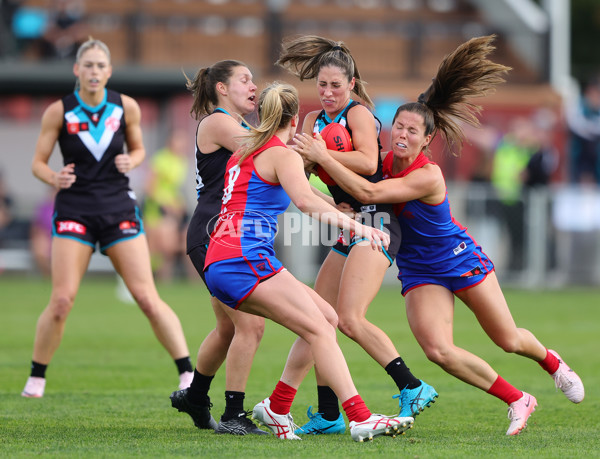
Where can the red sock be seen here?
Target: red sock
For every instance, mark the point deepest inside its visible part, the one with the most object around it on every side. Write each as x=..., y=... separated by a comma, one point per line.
x=282, y=398
x=505, y=391
x=355, y=409
x=550, y=363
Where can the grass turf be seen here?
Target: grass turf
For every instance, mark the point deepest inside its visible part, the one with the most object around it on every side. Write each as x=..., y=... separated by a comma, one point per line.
x=108, y=385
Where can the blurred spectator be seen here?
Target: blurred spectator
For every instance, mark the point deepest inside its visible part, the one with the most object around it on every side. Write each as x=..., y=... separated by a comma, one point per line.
x=544, y=161
x=511, y=158
x=5, y=210
x=27, y=25
x=583, y=120
x=65, y=31
x=40, y=237
x=54, y=32
x=164, y=209
x=8, y=8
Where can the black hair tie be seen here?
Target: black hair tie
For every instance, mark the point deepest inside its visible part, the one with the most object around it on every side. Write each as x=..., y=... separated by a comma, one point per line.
x=424, y=96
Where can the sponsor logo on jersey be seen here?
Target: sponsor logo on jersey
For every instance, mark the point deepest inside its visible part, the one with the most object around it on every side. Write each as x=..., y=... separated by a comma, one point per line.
x=70, y=227
x=74, y=128
x=112, y=123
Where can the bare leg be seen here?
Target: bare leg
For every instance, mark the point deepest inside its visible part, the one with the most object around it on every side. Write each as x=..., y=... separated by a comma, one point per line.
x=327, y=285
x=489, y=306
x=430, y=313
x=131, y=260
x=361, y=280
x=285, y=300
x=213, y=350
x=249, y=330
x=300, y=359
x=69, y=263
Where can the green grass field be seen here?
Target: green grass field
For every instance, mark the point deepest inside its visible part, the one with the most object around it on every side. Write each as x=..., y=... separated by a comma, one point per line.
x=109, y=383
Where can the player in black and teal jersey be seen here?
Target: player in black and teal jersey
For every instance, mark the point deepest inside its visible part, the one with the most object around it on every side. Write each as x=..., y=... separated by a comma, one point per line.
x=94, y=207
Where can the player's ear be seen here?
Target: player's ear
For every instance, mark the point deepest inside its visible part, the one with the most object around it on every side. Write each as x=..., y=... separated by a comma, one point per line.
x=352, y=83
x=427, y=140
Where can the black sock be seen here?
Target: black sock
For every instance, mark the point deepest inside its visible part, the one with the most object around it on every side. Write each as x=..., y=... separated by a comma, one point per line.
x=183, y=364
x=198, y=391
x=38, y=370
x=401, y=375
x=234, y=404
x=328, y=403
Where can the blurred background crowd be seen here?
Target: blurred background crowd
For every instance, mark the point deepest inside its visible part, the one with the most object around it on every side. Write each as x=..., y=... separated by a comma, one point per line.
x=526, y=183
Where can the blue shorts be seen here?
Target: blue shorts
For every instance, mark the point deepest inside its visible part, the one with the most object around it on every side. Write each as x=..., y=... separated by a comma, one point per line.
x=233, y=280
x=453, y=283
x=104, y=229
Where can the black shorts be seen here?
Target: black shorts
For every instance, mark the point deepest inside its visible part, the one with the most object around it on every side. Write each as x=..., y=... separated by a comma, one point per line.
x=198, y=257
x=105, y=230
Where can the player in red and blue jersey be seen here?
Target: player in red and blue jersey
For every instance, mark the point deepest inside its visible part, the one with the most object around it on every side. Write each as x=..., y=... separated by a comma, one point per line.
x=431, y=237
x=95, y=206
x=244, y=273
x=245, y=230
x=438, y=260
x=351, y=275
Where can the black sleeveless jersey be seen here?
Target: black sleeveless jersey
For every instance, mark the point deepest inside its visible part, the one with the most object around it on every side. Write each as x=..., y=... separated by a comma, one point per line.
x=210, y=180
x=90, y=138
x=337, y=193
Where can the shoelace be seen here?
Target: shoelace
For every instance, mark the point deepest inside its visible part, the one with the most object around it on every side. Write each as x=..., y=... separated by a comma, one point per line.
x=244, y=418
x=312, y=415
x=245, y=414
x=293, y=425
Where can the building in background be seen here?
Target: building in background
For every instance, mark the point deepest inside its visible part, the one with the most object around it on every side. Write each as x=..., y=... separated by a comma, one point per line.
x=398, y=44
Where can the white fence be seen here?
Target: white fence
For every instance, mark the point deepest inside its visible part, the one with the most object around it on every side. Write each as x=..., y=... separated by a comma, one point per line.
x=550, y=239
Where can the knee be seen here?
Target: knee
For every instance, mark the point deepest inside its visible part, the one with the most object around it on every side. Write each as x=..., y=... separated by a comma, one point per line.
x=509, y=344
x=349, y=325
x=225, y=330
x=60, y=307
x=250, y=330
x=332, y=317
x=149, y=304
x=440, y=355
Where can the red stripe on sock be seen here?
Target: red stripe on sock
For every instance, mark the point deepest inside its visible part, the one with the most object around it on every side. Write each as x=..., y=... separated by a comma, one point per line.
x=355, y=409
x=550, y=363
x=505, y=391
x=282, y=398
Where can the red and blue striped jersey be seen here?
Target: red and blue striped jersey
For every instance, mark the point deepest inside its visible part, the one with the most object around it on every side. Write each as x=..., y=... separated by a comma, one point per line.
x=247, y=224
x=432, y=241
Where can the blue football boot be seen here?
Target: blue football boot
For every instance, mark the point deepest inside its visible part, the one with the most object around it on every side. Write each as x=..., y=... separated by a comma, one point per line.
x=317, y=425
x=413, y=401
